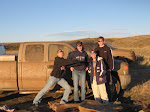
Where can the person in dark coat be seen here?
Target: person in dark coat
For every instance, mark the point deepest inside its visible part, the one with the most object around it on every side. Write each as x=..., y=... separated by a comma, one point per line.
x=105, y=52
x=97, y=72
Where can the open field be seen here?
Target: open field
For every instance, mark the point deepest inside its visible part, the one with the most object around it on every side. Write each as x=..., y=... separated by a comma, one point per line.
x=136, y=97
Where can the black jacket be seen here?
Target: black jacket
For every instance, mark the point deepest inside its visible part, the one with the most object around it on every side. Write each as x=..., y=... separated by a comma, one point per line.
x=106, y=54
x=58, y=63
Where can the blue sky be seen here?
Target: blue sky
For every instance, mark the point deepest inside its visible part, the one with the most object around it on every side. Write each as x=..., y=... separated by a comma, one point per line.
x=54, y=20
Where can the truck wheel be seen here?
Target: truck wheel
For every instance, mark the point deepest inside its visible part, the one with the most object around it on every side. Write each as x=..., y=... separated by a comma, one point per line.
x=113, y=88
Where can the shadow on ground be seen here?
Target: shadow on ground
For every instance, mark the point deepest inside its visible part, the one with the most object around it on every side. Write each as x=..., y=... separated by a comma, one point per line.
x=139, y=73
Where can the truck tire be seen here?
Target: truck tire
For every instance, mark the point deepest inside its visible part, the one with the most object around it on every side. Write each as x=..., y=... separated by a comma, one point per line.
x=113, y=88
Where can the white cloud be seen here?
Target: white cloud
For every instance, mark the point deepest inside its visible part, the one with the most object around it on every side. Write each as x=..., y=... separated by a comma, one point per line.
x=66, y=32
x=120, y=29
x=72, y=35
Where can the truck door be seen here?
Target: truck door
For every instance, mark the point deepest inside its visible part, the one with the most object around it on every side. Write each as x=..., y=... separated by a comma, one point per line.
x=52, y=53
x=33, y=71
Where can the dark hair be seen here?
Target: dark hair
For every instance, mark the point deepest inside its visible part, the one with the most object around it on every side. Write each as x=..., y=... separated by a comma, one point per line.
x=101, y=38
x=79, y=43
x=60, y=50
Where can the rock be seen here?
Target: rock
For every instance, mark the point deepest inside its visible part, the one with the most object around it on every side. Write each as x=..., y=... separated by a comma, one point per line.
x=117, y=103
x=86, y=106
x=95, y=106
x=145, y=110
x=57, y=107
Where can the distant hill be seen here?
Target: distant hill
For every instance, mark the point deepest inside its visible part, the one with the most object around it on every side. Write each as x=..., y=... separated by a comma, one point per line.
x=139, y=44
x=135, y=41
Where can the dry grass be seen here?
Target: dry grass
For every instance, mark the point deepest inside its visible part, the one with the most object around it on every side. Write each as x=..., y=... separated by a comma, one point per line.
x=140, y=94
x=139, y=44
x=11, y=46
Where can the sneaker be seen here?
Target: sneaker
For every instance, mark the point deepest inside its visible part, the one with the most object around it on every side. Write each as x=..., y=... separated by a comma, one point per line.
x=5, y=108
x=106, y=103
x=63, y=102
x=35, y=105
x=76, y=101
x=83, y=102
x=99, y=100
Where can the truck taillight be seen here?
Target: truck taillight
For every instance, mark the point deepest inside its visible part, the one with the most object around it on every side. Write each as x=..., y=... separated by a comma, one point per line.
x=125, y=70
x=125, y=67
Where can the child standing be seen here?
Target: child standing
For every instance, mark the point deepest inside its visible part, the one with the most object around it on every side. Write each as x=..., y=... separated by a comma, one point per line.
x=97, y=72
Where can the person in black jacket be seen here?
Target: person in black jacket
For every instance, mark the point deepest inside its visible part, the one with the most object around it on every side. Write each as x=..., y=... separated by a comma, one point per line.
x=97, y=72
x=105, y=52
x=56, y=76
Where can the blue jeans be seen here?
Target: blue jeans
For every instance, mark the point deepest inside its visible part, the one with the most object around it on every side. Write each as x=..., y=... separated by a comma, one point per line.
x=51, y=81
x=76, y=76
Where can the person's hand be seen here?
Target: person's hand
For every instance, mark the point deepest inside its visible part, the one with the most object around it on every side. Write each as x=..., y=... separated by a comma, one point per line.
x=72, y=69
x=109, y=70
x=62, y=68
x=86, y=68
x=100, y=79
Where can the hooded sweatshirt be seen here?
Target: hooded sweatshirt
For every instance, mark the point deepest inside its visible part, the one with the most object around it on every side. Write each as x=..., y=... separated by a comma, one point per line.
x=79, y=56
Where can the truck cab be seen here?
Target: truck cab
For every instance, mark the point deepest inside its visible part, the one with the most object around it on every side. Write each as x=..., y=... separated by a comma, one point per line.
x=35, y=63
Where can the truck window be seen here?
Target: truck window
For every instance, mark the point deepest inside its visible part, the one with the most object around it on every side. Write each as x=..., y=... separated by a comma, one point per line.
x=34, y=52
x=53, y=48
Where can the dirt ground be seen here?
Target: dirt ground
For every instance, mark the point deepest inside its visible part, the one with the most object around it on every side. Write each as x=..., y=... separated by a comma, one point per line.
x=23, y=103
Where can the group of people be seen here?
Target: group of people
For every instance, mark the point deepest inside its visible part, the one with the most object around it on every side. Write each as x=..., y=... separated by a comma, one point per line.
x=98, y=66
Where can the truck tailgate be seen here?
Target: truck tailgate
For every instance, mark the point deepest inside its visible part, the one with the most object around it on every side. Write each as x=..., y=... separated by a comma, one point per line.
x=7, y=57
x=8, y=73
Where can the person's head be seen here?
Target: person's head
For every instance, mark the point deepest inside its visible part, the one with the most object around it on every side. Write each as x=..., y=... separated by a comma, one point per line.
x=60, y=53
x=79, y=46
x=101, y=41
x=93, y=54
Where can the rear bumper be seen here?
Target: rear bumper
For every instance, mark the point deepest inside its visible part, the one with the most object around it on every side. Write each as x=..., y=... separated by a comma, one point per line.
x=125, y=80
